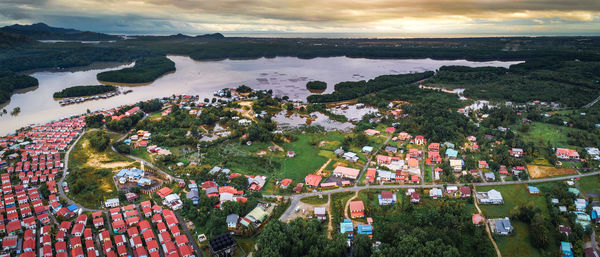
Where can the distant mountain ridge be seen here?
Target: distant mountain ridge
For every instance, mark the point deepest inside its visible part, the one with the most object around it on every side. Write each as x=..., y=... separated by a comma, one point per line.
x=41, y=31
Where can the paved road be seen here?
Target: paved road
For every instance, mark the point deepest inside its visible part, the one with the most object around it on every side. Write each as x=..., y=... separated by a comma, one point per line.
x=189, y=235
x=295, y=198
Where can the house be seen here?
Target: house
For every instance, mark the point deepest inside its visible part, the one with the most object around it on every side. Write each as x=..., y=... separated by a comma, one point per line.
x=567, y=154
x=477, y=219
x=483, y=164
x=564, y=229
x=502, y=170
x=456, y=165
x=516, y=152
x=285, y=183
x=364, y=229
x=111, y=203
x=451, y=153
x=435, y=193
x=312, y=180
x=419, y=140
x=291, y=154
x=489, y=176
x=372, y=132
x=232, y=220
x=193, y=195
x=255, y=217
x=533, y=190
x=490, y=197
x=346, y=172
x=367, y=149
x=222, y=245
x=387, y=198
x=346, y=227
x=320, y=213
x=357, y=209
x=580, y=204
x=433, y=147
x=503, y=227
x=566, y=249
x=465, y=192
x=391, y=149
x=415, y=197
x=435, y=157
x=370, y=175
x=350, y=156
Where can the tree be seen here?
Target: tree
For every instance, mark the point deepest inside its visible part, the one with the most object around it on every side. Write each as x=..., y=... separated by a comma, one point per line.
x=362, y=246
x=99, y=140
x=244, y=89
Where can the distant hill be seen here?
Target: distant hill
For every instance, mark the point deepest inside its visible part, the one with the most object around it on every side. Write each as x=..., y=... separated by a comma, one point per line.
x=213, y=36
x=41, y=31
x=8, y=40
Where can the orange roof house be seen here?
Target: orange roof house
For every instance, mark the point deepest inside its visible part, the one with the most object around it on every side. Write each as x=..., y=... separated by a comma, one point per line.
x=370, y=176
x=312, y=180
x=357, y=209
x=163, y=192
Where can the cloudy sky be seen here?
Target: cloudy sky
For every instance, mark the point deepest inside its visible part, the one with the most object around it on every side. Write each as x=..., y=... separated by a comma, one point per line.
x=401, y=17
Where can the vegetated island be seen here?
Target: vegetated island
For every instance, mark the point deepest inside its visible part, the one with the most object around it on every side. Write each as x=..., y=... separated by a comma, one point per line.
x=78, y=91
x=316, y=85
x=9, y=82
x=145, y=70
x=354, y=89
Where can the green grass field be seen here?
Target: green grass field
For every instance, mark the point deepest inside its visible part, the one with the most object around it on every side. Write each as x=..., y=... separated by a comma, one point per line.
x=590, y=184
x=306, y=161
x=540, y=133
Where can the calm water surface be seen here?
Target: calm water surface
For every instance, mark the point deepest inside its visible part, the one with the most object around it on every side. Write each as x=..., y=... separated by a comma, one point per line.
x=285, y=75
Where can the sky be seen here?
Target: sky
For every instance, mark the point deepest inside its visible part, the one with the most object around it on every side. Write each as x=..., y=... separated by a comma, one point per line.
x=398, y=17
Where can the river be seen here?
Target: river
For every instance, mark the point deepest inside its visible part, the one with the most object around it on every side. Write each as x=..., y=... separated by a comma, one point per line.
x=285, y=75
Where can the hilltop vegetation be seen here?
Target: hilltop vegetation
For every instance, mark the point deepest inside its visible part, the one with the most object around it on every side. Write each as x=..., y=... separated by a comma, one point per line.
x=10, y=82
x=78, y=91
x=145, y=70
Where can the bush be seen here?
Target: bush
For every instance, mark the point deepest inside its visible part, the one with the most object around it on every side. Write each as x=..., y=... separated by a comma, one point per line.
x=99, y=140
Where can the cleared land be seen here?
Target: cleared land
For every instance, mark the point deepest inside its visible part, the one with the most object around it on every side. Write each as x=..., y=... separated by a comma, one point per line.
x=536, y=171
x=90, y=179
x=517, y=244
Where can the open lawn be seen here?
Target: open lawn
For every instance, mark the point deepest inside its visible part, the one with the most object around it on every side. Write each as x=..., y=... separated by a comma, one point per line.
x=517, y=244
x=91, y=172
x=590, y=184
x=536, y=171
x=306, y=161
x=541, y=133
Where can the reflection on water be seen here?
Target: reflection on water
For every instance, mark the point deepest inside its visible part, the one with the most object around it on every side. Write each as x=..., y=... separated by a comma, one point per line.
x=286, y=120
x=284, y=75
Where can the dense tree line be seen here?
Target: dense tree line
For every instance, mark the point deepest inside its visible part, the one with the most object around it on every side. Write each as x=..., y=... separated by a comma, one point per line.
x=78, y=91
x=354, y=89
x=443, y=229
x=153, y=105
x=10, y=82
x=572, y=83
x=94, y=121
x=145, y=70
x=299, y=238
x=316, y=85
x=125, y=123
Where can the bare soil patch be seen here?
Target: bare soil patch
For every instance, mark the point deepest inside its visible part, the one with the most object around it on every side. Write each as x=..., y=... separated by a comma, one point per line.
x=536, y=171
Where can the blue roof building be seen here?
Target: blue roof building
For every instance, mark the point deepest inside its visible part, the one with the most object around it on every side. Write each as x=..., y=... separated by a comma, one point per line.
x=533, y=190
x=73, y=208
x=347, y=228
x=503, y=227
x=451, y=153
x=565, y=248
x=364, y=229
